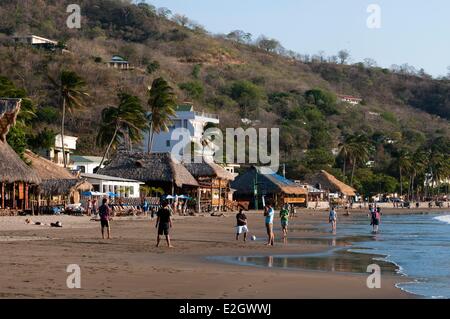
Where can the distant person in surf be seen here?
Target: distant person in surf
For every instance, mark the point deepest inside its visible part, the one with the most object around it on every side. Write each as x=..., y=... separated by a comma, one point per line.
x=332, y=219
x=375, y=216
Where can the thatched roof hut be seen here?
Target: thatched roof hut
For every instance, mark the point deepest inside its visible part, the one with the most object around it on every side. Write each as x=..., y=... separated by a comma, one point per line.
x=149, y=168
x=56, y=180
x=325, y=181
x=12, y=168
x=268, y=183
x=209, y=169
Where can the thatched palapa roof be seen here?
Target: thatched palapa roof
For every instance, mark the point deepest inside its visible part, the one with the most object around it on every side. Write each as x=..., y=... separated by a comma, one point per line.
x=326, y=181
x=149, y=168
x=202, y=168
x=268, y=183
x=56, y=180
x=12, y=168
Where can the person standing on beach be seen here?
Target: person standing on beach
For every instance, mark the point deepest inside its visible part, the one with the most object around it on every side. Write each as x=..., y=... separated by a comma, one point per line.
x=284, y=217
x=333, y=220
x=89, y=207
x=269, y=214
x=145, y=206
x=163, y=224
x=105, y=213
x=241, y=225
x=376, y=219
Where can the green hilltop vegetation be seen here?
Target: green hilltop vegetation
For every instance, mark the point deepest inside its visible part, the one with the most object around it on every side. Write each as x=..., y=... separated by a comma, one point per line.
x=399, y=132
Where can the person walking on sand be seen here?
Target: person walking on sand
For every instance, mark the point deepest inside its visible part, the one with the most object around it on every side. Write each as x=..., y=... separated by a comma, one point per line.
x=164, y=224
x=269, y=214
x=284, y=217
x=105, y=216
x=241, y=225
x=333, y=220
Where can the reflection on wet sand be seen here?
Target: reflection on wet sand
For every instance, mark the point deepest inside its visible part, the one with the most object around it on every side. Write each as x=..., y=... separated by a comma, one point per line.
x=330, y=241
x=334, y=261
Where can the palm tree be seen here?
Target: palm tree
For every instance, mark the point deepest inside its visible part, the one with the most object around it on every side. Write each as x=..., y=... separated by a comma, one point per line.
x=354, y=149
x=419, y=167
x=345, y=150
x=359, y=154
x=404, y=165
x=162, y=104
x=71, y=91
x=125, y=120
x=440, y=167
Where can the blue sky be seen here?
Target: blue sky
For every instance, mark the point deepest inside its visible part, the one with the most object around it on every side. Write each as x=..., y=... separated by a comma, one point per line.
x=416, y=32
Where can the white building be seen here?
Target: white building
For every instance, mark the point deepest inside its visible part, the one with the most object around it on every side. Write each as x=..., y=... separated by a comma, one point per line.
x=85, y=164
x=232, y=169
x=55, y=154
x=194, y=122
x=35, y=41
x=126, y=188
x=350, y=99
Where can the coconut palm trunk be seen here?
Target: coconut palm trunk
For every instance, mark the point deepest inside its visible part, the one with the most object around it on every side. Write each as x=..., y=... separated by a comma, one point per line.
x=401, y=182
x=343, y=169
x=353, y=171
x=150, y=139
x=62, y=132
x=109, y=145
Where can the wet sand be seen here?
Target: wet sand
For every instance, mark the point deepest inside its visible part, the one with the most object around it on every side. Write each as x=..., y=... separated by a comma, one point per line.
x=34, y=261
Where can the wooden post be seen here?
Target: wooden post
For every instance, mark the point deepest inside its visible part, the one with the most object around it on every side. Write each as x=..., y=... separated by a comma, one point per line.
x=212, y=195
x=38, y=204
x=220, y=196
x=14, y=204
x=26, y=196
x=3, y=195
x=199, y=197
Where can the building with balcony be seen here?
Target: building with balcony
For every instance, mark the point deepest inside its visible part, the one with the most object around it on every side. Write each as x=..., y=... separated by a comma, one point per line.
x=55, y=153
x=187, y=118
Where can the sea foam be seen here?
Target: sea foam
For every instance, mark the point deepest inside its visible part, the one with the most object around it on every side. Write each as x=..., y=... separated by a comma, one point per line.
x=444, y=219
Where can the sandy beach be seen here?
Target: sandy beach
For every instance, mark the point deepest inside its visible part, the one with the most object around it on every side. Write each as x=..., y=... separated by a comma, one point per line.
x=34, y=261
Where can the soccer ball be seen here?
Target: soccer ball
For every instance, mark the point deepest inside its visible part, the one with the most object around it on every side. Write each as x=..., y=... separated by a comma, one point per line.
x=253, y=237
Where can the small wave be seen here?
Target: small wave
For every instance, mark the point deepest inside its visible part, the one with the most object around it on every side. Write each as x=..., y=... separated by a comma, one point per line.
x=402, y=286
x=444, y=219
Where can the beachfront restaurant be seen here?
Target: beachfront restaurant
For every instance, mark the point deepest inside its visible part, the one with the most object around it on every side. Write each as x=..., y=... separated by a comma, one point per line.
x=215, y=192
x=156, y=170
x=259, y=182
x=324, y=181
x=120, y=187
x=58, y=187
x=16, y=178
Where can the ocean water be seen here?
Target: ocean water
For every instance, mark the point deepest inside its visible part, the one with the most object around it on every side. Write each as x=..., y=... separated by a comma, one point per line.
x=415, y=246
x=418, y=244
